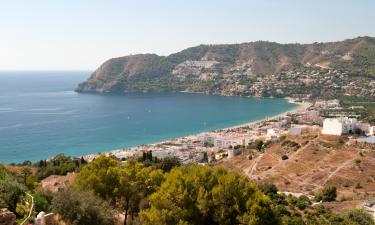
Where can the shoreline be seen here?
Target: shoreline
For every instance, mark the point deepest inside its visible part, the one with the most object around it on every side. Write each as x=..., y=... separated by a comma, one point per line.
x=132, y=151
x=300, y=106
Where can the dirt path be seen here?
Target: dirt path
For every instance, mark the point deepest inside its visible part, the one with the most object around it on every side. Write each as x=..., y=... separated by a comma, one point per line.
x=31, y=209
x=254, y=166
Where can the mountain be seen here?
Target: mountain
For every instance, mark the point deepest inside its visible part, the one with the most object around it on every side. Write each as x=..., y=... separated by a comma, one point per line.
x=237, y=69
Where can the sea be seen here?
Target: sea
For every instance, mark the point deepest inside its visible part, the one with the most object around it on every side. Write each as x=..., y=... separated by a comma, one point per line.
x=41, y=116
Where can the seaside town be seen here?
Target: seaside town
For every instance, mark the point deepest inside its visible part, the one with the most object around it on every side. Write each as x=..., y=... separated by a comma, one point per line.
x=293, y=82
x=213, y=146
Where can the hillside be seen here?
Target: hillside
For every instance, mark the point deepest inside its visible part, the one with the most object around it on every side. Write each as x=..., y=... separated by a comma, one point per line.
x=318, y=161
x=238, y=69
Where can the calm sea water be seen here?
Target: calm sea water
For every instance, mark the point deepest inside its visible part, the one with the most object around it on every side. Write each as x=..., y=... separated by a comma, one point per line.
x=41, y=116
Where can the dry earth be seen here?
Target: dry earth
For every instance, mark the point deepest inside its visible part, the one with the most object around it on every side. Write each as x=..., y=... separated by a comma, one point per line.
x=318, y=161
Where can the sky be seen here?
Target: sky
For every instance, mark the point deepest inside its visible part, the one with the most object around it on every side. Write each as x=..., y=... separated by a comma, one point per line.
x=82, y=34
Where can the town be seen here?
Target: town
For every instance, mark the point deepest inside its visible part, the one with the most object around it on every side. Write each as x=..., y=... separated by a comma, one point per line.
x=294, y=82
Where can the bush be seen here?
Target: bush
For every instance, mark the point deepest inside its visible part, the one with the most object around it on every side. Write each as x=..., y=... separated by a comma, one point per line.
x=268, y=188
x=303, y=202
x=328, y=194
x=11, y=193
x=359, y=217
x=40, y=203
x=284, y=157
x=82, y=208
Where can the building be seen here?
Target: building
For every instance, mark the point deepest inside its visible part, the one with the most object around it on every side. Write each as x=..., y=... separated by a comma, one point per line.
x=295, y=131
x=272, y=134
x=339, y=126
x=233, y=152
x=327, y=104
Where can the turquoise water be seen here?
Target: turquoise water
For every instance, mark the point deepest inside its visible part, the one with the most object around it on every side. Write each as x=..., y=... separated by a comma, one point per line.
x=41, y=116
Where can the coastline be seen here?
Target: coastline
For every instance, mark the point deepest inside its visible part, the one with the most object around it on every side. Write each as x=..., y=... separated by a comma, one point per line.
x=300, y=106
x=132, y=151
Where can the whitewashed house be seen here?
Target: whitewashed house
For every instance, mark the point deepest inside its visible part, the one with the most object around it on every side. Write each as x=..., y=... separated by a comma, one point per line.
x=295, y=131
x=339, y=126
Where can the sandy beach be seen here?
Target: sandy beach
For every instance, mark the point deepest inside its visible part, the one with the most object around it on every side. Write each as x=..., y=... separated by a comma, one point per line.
x=132, y=151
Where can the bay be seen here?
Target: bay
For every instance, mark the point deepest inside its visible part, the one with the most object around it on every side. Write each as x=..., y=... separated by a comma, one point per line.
x=41, y=116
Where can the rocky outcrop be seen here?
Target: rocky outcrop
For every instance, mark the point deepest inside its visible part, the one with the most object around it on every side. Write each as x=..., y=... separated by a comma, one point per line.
x=7, y=217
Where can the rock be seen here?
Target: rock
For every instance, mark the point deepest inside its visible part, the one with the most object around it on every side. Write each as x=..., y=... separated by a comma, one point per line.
x=45, y=219
x=7, y=217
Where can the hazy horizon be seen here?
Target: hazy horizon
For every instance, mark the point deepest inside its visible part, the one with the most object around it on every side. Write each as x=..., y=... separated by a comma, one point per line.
x=71, y=35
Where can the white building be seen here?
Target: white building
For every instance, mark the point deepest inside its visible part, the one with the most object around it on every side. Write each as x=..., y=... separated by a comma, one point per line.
x=327, y=104
x=339, y=126
x=295, y=131
x=233, y=152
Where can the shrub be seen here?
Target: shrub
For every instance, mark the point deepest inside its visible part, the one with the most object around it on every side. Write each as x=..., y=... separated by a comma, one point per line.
x=359, y=217
x=82, y=208
x=328, y=194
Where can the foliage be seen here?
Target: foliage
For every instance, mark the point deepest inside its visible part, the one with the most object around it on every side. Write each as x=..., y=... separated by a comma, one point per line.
x=167, y=163
x=100, y=176
x=82, y=208
x=268, y=188
x=328, y=194
x=11, y=192
x=205, y=195
x=359, y=217
x=127, y=186
x=58, y=165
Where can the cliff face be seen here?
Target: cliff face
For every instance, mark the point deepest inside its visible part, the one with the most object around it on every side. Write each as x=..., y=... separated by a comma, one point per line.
x=216, y=64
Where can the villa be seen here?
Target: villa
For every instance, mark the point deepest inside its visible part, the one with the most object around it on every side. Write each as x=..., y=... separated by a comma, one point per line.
x=339, y=126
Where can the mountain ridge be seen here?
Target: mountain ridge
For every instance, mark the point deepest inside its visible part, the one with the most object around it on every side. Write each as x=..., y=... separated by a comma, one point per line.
x=209, y=68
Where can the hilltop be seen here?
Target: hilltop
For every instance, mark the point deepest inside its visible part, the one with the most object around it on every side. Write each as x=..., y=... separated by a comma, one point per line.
x=259, y=68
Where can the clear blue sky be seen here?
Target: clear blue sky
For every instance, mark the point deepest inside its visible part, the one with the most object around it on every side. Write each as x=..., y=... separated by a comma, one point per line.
x=81, y=34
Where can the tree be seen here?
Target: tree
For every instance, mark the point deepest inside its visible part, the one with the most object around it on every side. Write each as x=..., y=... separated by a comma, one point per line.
x=82, y=208
x=268, y=188
x=11, y=193
x=135, y=184
x=204, y=195
x=100, y=176
x=328, y=194
x=25, y=171
x=127, y=186
x=167, y=163
x=259, y=145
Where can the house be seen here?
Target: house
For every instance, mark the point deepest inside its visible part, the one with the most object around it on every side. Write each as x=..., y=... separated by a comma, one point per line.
x=301, y=129
x=327, y=104
x=233, y=152
x=295, y=131
x=339, y=126
x=272, y=134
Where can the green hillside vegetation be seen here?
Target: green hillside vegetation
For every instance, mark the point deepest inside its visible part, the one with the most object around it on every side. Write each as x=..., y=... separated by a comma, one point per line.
x=363, y=63
x=154, y=191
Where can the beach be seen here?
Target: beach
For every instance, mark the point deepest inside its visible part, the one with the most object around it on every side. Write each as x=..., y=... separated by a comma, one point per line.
x=182, y=147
